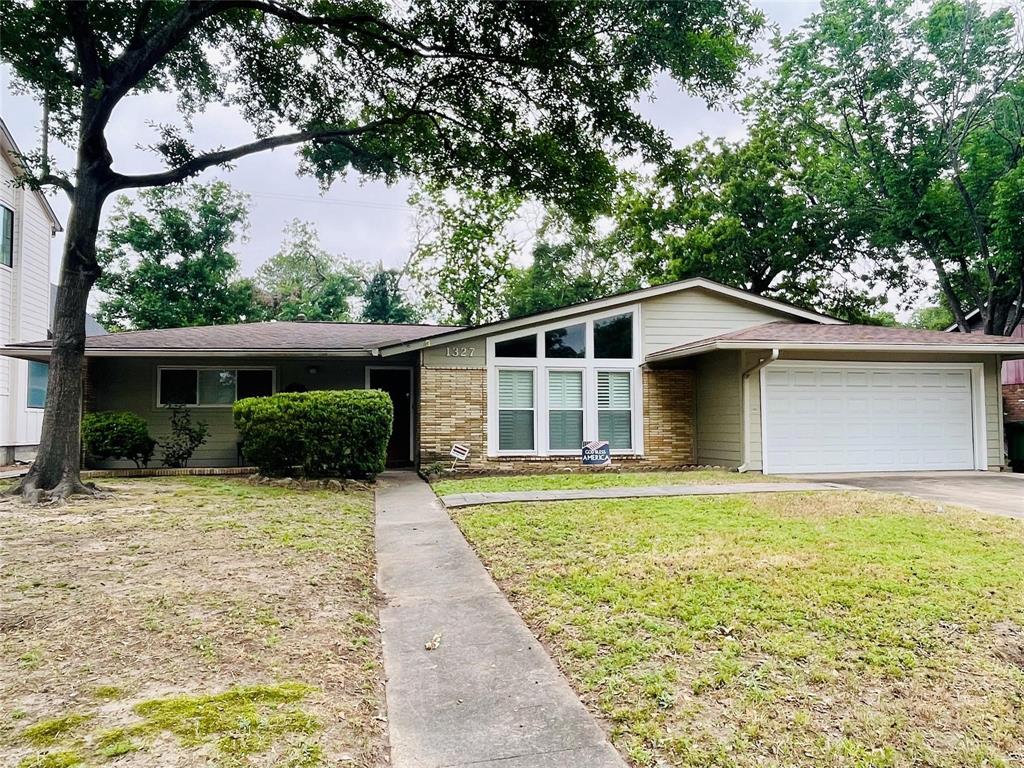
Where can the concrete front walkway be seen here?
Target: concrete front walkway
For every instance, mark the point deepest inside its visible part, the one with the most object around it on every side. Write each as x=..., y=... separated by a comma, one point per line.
x=504, y=497
x=487, y=695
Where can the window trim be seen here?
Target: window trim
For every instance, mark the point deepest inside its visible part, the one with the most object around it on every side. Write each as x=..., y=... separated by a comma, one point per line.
x=28, y=385
x=236, y=368
x=632, y=406
x=4, y=207
x=584, y=402
x=498, y=409
x=589, y=365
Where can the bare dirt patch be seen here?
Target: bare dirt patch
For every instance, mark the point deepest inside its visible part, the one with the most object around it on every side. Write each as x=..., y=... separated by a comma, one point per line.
x=191, y=621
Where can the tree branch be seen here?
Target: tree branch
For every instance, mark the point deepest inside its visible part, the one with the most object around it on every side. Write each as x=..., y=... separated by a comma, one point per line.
x=53, y=180
x=85, y=41
x=220, y=157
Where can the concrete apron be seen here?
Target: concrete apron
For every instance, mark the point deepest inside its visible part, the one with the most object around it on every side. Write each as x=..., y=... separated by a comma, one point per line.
x=487, y=695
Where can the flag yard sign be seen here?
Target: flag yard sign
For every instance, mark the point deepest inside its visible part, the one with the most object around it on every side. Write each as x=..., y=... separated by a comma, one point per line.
x=597, y=453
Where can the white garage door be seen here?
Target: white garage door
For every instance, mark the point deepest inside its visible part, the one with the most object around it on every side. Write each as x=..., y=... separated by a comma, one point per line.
x=856, y=418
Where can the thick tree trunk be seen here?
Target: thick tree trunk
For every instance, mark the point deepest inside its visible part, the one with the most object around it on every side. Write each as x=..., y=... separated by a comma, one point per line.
x=55, y=472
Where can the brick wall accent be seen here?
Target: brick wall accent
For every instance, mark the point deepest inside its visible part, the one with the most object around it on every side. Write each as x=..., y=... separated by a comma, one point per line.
x=669, y=410
x=453, y=409
x=1013, y=402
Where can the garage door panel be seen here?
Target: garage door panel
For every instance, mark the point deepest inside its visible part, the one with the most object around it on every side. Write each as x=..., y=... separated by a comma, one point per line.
x=834, y=418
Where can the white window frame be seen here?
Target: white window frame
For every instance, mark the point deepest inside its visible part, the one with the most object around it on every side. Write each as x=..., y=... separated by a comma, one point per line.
x=632, y=406
x=589, y=365
x=28, y=385
x=197, y=368
x=14, y=244
x=492, y=397
x=583, y=406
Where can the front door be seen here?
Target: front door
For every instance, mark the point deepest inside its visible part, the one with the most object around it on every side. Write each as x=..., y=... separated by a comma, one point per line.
x=397, y=382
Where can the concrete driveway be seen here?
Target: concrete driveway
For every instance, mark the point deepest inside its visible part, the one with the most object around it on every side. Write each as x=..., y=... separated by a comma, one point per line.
x=999, y=492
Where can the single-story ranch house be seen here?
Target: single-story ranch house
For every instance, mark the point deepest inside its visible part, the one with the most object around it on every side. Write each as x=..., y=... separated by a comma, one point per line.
x=690, y=372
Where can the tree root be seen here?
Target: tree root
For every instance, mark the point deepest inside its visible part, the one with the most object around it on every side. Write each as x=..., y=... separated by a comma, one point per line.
x=28, y=490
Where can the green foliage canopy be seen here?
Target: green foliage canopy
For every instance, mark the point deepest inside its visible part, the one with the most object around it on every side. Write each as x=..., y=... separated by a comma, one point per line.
x=304, y=280
x=919, y=112
x=168, y=261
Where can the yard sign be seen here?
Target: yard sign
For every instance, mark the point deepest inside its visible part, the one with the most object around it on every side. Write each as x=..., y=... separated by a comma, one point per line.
x=459, y=452
x=596, y=453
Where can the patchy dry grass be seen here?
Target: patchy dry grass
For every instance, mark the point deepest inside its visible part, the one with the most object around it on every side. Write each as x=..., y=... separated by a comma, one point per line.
x=571, y=481
x=191, y=621
x=850, y=630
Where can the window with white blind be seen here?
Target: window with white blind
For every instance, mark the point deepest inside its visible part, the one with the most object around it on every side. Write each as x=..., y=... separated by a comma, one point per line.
x=515, y=410
x=555, y=386
x=565, y=410
x=614, y=409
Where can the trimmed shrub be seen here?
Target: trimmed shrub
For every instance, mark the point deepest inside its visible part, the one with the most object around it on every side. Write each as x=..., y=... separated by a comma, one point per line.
x=327, y=433
x=117, y=435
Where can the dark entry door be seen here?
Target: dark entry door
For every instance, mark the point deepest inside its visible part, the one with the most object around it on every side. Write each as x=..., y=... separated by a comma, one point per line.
x=397, y=382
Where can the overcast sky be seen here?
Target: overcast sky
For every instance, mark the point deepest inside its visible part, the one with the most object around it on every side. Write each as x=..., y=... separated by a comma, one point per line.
x=365, y=221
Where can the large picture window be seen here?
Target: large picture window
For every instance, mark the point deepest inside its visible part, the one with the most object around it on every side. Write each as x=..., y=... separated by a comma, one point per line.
x=213, y=386
x=565, y=410
x=558, y=385
x=38, y=378
x=6, y=236
x=614, y=409
x=515, y=410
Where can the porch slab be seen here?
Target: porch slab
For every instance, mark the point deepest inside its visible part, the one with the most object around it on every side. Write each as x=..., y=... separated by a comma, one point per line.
x=507, y=497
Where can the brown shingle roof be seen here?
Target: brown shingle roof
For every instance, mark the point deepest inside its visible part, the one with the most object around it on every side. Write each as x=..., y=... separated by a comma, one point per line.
x=259, y=337
x=786, y=334
x=877, y=334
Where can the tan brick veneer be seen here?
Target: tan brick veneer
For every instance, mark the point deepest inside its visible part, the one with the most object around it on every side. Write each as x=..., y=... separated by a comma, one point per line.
x=669, y=416
x=453, y=408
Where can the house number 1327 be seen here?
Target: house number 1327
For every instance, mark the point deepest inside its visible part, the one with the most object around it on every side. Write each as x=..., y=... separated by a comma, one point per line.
x=459, y=351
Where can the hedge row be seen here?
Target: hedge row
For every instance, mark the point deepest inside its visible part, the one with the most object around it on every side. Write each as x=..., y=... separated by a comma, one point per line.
x=326, y=433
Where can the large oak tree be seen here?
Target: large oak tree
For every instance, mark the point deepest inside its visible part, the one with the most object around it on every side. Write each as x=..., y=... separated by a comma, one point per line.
x=918, y=110
x=524, y=95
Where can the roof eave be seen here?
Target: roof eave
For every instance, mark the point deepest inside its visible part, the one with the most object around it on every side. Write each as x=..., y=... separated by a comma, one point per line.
x=42, y=353
x=1005, y=350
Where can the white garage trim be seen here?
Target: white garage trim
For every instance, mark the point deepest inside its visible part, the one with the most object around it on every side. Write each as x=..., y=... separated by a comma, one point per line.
x=977, y=378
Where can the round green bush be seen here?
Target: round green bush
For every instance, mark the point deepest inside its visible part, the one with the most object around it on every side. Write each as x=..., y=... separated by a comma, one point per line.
x=117, y=435
x=325, y=433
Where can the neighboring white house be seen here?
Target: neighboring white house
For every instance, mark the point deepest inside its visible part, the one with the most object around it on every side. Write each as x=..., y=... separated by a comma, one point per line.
x=27, y=225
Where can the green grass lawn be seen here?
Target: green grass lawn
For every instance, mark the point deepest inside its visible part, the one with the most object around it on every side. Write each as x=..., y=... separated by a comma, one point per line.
x=577, y=480
x=191, y=621
x=834, y=629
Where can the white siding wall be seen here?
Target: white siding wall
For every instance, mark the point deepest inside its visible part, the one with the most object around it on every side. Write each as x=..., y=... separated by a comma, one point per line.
x=24, y=307
x=679, y=318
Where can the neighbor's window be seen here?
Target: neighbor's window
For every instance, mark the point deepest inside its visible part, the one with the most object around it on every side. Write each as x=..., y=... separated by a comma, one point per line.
x=566, y=342
x=524, y=346
x=38, y=376
x=213, y=386
x=515, y=410
x=614, y=404
x=565, y=410
x=6, y=236
x=613, y=337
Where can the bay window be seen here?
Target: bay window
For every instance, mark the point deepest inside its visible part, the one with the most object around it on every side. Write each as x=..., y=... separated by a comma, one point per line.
x=515, y=410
